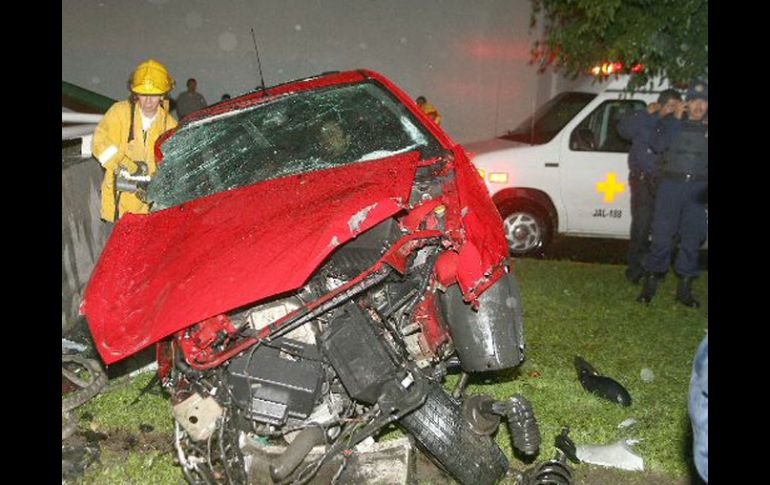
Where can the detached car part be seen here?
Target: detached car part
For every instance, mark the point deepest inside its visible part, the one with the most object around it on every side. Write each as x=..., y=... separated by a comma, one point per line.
x=603, y=386
x=556, y=471
x=89, y=378
x=615, y=455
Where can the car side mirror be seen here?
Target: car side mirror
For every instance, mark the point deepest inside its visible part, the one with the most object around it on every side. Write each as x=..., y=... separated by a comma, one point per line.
x=582, y=139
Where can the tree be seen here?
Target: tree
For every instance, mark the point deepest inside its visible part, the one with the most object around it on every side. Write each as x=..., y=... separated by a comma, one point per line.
x=668, y=37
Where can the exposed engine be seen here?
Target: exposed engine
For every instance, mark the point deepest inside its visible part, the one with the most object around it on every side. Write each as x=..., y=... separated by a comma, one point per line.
x=358, y=347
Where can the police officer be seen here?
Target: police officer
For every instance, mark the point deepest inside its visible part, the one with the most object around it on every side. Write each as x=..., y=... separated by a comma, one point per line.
x=638, y=126
x=680, y=206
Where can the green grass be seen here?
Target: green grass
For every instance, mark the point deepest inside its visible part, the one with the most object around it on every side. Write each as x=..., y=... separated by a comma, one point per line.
x=570, y=309
x=590, y=310
x=150, y=468
x=116, y=409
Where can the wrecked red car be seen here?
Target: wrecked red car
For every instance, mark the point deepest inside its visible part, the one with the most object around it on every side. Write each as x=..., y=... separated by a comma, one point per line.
x=318, y=256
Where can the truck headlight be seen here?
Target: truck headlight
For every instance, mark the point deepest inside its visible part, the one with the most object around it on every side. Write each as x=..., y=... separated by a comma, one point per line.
x=498, y=177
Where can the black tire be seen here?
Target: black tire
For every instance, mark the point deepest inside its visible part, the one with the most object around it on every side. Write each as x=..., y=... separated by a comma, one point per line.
x=534, y=227
x=441, y=430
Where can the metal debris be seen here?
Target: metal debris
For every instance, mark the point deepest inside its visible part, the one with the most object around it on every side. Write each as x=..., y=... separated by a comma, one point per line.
x=614, y=455
x=626, y=423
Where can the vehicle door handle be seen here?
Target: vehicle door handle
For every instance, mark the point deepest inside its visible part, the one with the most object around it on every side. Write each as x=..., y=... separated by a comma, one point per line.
x=551, y=164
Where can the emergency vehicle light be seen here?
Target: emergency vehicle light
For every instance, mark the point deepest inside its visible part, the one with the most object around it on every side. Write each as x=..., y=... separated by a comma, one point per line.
x=607, y=68
x=498, y=177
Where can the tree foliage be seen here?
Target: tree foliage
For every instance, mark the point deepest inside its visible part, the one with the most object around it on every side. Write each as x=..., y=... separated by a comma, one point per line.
x=669, y=37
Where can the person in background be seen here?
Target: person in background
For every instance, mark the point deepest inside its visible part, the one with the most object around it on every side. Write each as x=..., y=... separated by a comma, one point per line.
x=680, y=205
x=429, y=109
x=638, y=126
x=124, y=139
x=190, y=100
x=334, y=141
x=698, y=407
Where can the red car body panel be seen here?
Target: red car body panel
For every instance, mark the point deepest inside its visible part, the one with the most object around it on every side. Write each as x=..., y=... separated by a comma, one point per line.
x=485, y=248
x=164, y=271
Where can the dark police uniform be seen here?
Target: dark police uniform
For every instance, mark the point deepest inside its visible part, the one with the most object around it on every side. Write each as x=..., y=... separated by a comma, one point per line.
x=638, y=126
x=680, y=207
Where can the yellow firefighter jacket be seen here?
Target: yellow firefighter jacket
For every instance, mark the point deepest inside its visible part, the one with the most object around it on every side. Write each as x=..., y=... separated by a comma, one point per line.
x=431, y=111
x=112, y=148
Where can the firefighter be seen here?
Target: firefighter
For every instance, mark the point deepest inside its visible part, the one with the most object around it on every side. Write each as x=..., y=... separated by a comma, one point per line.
x=429, y=109
x=680, y=206
x=124, y=140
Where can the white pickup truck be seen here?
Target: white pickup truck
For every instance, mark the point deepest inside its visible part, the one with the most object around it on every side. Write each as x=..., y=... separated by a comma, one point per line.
x=564, y=169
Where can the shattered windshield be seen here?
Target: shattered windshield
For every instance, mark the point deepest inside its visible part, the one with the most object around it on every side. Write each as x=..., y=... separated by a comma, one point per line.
x=549, y=119
x=296, y=133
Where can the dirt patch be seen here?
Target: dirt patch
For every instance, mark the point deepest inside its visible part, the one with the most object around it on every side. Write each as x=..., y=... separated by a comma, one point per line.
x=84, y=448
x=121, y=441
x=428, y=473
x=595, y=475
x=77, y=454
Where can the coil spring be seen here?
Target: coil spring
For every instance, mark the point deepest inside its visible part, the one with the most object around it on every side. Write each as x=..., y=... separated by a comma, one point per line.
x=552, y=472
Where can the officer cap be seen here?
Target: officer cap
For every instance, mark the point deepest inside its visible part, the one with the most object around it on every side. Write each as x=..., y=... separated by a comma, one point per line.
x=698, y=90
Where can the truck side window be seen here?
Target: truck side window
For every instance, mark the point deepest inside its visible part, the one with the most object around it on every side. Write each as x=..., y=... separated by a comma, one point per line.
x=598, y=131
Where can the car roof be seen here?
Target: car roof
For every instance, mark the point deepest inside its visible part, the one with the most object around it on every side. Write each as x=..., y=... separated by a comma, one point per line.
x=260, y=95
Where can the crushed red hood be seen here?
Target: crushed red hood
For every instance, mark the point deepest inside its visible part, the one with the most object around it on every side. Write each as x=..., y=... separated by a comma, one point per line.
x=164, y=271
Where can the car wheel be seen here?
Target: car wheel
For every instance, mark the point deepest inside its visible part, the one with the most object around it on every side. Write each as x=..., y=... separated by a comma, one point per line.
x=441, y=430
x=527, y=229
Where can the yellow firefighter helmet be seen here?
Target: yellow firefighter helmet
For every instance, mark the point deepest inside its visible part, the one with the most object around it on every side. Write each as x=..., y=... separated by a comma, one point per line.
x=151, y=77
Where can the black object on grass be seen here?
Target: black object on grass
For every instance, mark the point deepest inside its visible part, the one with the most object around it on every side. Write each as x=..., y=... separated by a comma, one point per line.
x=603, y=386
x=556, y=471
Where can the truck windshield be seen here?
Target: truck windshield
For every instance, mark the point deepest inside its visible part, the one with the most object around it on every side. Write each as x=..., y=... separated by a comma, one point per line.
x=549, y=119
x=296, y=133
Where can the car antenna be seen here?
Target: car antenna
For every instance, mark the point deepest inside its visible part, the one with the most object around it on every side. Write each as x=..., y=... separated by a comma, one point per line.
x=259, y=63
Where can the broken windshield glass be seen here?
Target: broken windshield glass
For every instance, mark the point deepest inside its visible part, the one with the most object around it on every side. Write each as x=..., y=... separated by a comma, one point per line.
x=296, y=133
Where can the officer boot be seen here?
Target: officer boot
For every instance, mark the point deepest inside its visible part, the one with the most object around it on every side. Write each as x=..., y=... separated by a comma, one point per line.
x=634, y=275
x=650, y=286
x=684, y=292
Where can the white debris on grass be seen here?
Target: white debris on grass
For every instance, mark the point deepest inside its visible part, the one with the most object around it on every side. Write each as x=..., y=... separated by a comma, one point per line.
x=647, y=375
x=70, y=345
x=626, y=423
x=151, y=367
x=613, y=455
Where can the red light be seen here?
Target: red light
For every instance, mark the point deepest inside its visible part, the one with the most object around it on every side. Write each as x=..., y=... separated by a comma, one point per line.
x=606, y=68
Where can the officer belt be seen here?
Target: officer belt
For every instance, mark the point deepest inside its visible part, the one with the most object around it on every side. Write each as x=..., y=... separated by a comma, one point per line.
x=685, y=177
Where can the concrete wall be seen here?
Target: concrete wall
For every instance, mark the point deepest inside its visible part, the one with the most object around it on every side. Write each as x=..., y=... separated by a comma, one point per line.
x=469, y=58
x=83, y=234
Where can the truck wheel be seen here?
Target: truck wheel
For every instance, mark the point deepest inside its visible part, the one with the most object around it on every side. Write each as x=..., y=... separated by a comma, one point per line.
x=441, y=430
x=527, y=229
